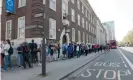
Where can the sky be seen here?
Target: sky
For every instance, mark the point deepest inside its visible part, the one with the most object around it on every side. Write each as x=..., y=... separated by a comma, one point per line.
x=118, y=10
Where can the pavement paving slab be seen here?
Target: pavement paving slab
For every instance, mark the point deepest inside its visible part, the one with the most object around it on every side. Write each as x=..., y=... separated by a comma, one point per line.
x=55, y=70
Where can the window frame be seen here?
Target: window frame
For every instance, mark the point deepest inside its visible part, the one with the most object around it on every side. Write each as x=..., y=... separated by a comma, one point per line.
x=51, y=28
x=21, y=3
x=79, y=23
x=73, y=34
x=50, y=4
x=10, y=30
x=72, y=15
x=19, y=24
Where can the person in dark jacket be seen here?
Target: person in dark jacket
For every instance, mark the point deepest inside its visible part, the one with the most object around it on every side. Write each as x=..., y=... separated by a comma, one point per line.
x=33, y=50
x=70, y=50
x=19, y=50
x=25, y=54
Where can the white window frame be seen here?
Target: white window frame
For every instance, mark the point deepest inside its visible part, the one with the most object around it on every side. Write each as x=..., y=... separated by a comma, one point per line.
x=64, y=8
x=78, y=19
x=78, y=4
x=89, y=27
x=82, y=8
x=52, y=28
x=21, y=26
x=86, y=25
x=83, y=37
x=21, y=3
x=72, y=1
x=9, y=32
x=83, y=22
x=73, y=34
x=87, y=41
x=53, y=7
x=72, y=15
x=44, y=1
x=79, y=36
x=86, y=13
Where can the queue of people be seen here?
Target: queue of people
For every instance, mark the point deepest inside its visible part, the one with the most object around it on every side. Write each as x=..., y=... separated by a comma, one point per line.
x=28, y=52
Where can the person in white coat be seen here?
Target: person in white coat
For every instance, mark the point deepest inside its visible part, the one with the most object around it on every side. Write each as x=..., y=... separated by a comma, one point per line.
x=6, y=60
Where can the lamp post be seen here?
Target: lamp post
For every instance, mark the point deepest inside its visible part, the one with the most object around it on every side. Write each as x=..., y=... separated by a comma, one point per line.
x=44, y=43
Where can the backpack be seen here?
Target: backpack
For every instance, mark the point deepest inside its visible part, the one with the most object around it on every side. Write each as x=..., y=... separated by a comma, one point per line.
x=10, y=51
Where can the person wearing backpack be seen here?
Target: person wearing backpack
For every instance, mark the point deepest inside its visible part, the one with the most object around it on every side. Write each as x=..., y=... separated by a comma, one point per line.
x=25, y=54
x=6, y=58
x=10, y=51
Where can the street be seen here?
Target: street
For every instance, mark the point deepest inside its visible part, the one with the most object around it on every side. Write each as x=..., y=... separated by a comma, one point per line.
x=114, y=65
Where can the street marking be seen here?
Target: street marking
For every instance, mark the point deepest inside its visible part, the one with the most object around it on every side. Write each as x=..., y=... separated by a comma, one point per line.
x=128, y=71
x=125, y=65
x=107, y=64
x=99, y=73
x=127, y=60
x=89, y=73
x=107, y=71
x=120, y=74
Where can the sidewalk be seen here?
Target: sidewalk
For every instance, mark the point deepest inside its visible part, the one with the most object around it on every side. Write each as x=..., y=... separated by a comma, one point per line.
x=55, y=70
x=129, y=49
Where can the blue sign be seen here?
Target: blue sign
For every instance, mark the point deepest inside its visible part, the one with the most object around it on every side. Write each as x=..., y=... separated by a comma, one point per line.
x=10, y=6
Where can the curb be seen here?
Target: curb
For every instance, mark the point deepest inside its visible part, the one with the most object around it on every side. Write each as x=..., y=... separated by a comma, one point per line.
x=81, y=66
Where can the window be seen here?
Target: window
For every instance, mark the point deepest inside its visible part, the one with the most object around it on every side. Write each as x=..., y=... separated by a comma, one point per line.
x=8, y=29
x=86, y=25
x=52, y=4
x=78, y=4
x=73, y=34
x=82, y=9
x=88, y=16
x=79, y=36
x=73, y=15
x=78, y=19
x=83, y=37
x=86, y=13
x=83, y=22
x=21, y=3
x=21, y=27
x=72, y=1
x=87, y=38
x=52, y=28
x=64, y=8
x=89, y=28
x=44, y=1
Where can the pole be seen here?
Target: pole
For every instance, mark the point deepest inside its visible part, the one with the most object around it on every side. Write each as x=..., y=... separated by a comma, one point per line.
x=44, y=44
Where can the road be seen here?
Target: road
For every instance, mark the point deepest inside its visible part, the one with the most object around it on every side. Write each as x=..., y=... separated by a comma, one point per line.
x=114, y=65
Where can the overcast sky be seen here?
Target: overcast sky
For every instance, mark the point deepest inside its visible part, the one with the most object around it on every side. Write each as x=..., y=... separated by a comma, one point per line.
x=118, y=10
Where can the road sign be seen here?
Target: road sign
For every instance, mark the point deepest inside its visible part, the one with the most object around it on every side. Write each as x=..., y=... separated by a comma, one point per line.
x=10, y=6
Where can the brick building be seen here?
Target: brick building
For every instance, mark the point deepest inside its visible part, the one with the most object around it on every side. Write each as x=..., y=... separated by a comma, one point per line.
x=29, y=23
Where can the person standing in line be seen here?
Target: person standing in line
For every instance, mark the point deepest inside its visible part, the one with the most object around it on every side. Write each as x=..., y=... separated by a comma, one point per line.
x=51, y=47
x=2, y=53
x=58, y=48
x=64, y=49
x=6, y=58
x=86, y=49
x=70, y=51
x=78, y=50
x=75, y=52
x=19, y=50
x=33, y=49
x=10, y=51
x=25, y=54
x=55, y=52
